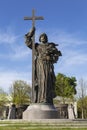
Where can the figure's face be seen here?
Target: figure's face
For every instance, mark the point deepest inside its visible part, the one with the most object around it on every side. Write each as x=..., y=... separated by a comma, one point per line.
x=43, y=39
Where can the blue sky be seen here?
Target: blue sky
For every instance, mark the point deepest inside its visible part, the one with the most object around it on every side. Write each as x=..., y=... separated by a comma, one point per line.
x=65, y=22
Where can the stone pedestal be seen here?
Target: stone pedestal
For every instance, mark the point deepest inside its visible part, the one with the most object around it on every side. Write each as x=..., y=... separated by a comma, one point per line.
x=40, y=111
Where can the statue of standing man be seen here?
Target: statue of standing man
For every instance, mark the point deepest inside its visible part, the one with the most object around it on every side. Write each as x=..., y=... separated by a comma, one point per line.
x=46, y=54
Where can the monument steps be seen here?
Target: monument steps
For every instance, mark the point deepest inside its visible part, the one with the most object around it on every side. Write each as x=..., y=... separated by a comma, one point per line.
x=45, y=123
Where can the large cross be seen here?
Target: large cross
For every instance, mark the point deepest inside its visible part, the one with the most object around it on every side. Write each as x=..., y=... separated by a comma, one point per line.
x=33, y=18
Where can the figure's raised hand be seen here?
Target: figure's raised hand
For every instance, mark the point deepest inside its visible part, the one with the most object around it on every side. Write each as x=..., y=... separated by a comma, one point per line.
x=32, y=31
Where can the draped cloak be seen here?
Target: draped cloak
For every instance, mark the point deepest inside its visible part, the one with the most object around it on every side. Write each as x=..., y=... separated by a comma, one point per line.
x=46, y=54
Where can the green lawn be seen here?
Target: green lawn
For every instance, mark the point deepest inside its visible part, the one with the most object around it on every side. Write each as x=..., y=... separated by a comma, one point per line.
x=23, y=125
x=36, y=128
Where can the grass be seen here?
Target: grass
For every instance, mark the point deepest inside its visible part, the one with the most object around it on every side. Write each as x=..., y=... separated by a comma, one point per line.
x=25, y=125
x=37, y=128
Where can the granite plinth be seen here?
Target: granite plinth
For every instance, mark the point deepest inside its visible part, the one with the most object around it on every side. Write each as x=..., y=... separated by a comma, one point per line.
x=40, y=111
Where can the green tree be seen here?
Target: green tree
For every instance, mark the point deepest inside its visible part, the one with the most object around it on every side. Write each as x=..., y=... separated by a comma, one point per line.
x=20, y=92
x=3, y=102
x=3, y=98
x=82, y=99
x=65, y=86
x=82, y=107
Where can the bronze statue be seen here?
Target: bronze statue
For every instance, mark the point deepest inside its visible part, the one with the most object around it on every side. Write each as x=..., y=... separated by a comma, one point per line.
x=46, y=54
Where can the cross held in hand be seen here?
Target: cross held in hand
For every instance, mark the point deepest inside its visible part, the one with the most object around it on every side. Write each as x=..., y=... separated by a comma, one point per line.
x=33, y=18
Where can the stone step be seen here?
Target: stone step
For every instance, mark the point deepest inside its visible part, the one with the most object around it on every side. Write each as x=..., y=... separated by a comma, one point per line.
x=47, y=123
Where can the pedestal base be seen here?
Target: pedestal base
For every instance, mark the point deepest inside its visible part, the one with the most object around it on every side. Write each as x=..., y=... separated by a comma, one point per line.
x=40, y=111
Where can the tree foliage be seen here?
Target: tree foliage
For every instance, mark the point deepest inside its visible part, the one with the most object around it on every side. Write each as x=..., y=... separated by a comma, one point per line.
x=82, y=99
x=82, y=107
x=65, y=86
x=3, y=97
x=20, y=92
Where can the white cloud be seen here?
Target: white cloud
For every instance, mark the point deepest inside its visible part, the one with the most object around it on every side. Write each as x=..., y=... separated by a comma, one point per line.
x=72, y=62
x=19, y=52
x=7, y=38
x=16, y=50
x=75, y=58
x=7, y=78
x=65, y=39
